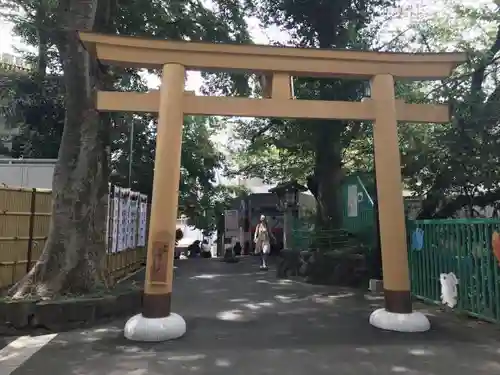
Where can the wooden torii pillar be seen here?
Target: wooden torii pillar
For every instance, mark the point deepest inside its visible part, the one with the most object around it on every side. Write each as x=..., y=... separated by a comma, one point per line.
x=278, y=65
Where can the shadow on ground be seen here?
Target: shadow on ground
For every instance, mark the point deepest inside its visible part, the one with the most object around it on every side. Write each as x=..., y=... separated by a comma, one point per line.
x=242, y=321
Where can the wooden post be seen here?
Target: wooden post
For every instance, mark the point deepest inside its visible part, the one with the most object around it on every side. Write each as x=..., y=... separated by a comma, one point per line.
x=161, y=239
x=29, y=252
x=390, y=197
x=281, y=87
x=278, y=85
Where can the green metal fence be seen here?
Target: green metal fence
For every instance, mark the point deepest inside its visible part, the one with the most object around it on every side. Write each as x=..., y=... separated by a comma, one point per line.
x=461, y=246
x=302, y=235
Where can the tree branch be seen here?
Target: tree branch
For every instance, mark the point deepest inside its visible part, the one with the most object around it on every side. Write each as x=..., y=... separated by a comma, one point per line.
x=460, y=201
x=479, y=73
x=261, y=132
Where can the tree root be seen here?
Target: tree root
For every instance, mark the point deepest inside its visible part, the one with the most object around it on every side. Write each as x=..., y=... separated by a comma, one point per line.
x=44, y=284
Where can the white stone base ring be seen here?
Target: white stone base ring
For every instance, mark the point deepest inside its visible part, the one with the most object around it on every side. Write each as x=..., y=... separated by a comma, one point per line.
x=139, y=328
x=412, y=322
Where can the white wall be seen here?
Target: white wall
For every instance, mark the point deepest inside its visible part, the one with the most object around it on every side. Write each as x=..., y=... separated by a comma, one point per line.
x=22, y=173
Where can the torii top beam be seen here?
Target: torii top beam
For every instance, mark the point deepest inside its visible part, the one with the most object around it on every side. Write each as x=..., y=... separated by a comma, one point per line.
x=277, y=65
x=139, y=52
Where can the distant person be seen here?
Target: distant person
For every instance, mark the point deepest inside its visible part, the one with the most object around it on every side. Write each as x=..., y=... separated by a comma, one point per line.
x=194, y=249
x=179, y=234
x=262, y=239
x=204, y=245
x=205, y=250
x=237, y=248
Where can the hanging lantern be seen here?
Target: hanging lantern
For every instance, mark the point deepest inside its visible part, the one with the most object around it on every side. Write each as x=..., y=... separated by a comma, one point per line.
x=288, y=194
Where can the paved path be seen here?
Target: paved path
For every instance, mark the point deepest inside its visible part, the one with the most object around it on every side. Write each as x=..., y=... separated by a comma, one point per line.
x=245, y=322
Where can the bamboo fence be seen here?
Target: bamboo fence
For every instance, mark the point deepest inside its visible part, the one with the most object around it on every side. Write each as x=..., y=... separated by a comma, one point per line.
x=24, y=225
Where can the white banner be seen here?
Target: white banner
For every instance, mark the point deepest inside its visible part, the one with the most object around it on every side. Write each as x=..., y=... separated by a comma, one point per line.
x=108, y=218
x=128, y=231
x=123, y=226
x=133, y=218
x=143, y=220
x=115, y=202
x=127, y=222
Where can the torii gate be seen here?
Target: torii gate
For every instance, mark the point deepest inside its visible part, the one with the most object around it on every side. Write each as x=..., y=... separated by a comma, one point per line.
x=278, y=65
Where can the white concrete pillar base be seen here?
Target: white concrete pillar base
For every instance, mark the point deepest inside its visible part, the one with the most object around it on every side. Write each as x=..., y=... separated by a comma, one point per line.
x=139, y=328
x=413, y=322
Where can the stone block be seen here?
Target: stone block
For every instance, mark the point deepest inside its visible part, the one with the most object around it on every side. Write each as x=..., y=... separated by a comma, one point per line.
x=17, y=313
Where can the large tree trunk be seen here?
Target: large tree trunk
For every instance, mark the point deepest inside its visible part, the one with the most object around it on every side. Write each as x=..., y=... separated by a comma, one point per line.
x=71, y=259
x=327, y=178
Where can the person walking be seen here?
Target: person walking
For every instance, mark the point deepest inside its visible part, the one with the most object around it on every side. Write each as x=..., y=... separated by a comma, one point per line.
x=262, y=239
